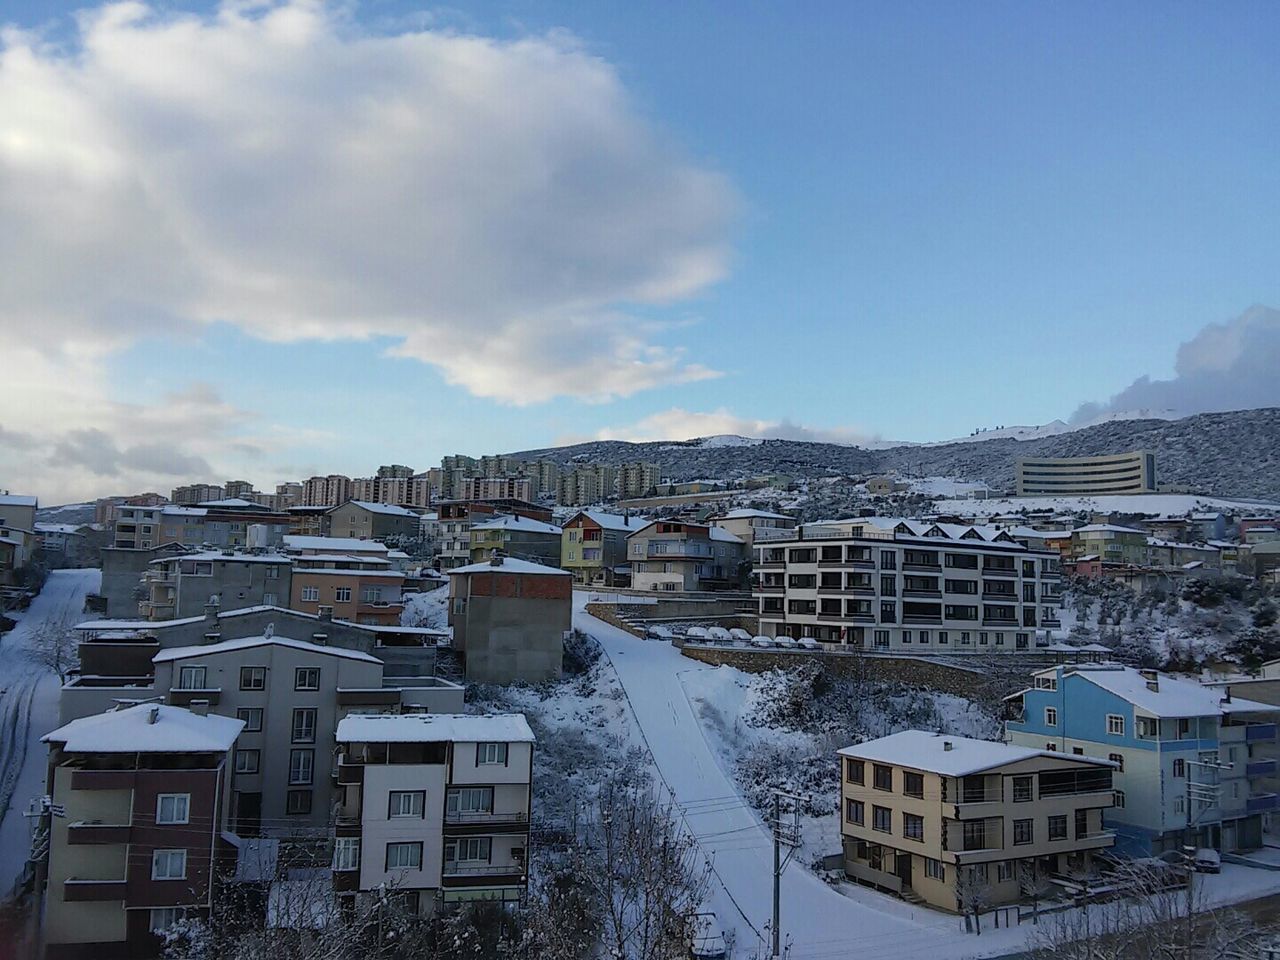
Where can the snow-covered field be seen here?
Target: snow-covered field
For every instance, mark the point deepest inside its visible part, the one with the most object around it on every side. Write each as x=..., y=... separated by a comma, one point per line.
x=29, y=709
x=1152, y=504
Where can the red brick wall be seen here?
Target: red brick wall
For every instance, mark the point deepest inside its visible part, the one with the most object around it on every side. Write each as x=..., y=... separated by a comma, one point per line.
x=533, y=586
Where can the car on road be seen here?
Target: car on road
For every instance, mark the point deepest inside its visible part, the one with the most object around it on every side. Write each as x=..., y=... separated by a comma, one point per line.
x=706, y=939
x=1207, y=860
x=739, y=634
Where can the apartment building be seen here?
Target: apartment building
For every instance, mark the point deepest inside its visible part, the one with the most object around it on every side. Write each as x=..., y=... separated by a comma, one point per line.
x=886, y=584
x=1133, y=472
x=930, y=816
x=329, y=491
x=1110, y=542
x=520, y=537
x=18, y=538
x=594, y=547
x=496, y=488
x=360, y=586
x=192, y=493
x=751, y=526
x=586, y=485
x=1190, y=761
x=1187, y=557
x=362, y=520
x=638, y=479
x=433, y=809
x=218, y=523
x=180, y=586
x=396, y=488
x=509, y=618
x=141, y=795
x=675, y=555
x=456, y=517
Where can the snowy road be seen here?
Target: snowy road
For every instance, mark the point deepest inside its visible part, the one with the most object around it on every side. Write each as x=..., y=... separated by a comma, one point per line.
x=820, y=922
x=29, y=708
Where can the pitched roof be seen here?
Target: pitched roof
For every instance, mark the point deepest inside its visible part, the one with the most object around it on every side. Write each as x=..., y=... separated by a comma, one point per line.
x=507, y=522
x=388, y=509
x=612, y=521
x=744, y=513
x=1172, y=698
x=248, y=643
x=333, y=544
x=923, y=750
x=132, y=730
x=434, y=728
x=17, y=500
x=510, y=565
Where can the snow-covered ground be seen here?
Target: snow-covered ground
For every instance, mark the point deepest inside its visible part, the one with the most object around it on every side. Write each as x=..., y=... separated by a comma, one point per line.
x=1152, y=504
x=29, y=709
x=428, y=609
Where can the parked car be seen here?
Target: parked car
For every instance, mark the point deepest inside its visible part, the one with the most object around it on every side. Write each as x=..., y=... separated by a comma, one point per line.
x=719, y=634
x=762, y=641
x=697, y=633
x=660, y=633
x=786, y=643
x=808, y=643
x=1207, y=860
x=706, y=939
x=739, y=634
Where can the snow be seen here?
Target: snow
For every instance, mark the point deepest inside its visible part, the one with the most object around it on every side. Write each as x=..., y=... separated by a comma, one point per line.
x=944, y=486
x=613, y=521
x=509, y=565
x=1173, y=698
x=429, y=609
x=247, y=643
x=945, y=754
x=16, y=500
x=434, y=728
x=224, y=557
x=1150, y=504
x=726, y=440
x=63, y=528
x=525, y=524
x=132, y=730
x=744, y=513
x=384, y=508
x=333, y=544
x=227, y=502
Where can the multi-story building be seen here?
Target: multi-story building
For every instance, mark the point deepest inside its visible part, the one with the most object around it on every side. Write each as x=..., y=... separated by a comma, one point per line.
x=406, y=491
x=933, y=816
x=330, y=491
x=1133, y=472
x=193, y=493
x=586, y=485
x=308, y=521
x=456, y=517
x=1174, y=555
x=1111, y=543
x=361, y=520
x=638, y=479
x=142, y=797
x=509, y=619
x=218, y=523
x=675, y=555
x=241, y=489
x=137, y=527
x=18, y=538
x=396, y=471
x=433, y=809
x=352, y=579
x=180, y=586
x=1190, y=761
x=751, y=526
x=496, y=488
x=69, y=544
x=519, y=537
x=454, y=470
x=545, y=475
x=593, y=547
x=884, y=584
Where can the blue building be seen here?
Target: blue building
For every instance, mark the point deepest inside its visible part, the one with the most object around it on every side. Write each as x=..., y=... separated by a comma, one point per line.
x=1191, y=763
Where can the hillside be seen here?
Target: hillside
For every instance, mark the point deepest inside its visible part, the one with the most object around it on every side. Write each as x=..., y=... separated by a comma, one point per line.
x=1234, y=454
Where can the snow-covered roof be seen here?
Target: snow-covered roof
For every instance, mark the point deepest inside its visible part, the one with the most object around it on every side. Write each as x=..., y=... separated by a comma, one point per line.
x=923, y=750
x=388, y=509
x=510, y=565
x=347, y=572
x=248, y=643
x=342, y=558
x=719, y=533
x=148, y=728
x=17, y=500
x=523, y=524
x=1172, y=698
x=173, y=510
x=434, y=728
x=1106, y=528
x=222, y=557
x=612, y=521
x=66, y=528
x=229, y=502
x=333, y=544
x=745, y=513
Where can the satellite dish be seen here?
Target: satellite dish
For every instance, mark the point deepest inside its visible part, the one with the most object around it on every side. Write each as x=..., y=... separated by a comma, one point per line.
x=270, y=631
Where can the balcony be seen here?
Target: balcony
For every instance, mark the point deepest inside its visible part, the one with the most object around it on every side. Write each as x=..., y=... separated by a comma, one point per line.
x=92, y=832
x=487, y=822
x=184, y=697
x=913, y=592
x=1256, y=732
x=350, y=773
x=1260, y=768
x=771, y=588
x=926, y=567
x=1002, y=622
x=482, y=875
x=771, y=565
x=1263, y=803
x=76, y=890
x=1008, y=596
x=911, y=618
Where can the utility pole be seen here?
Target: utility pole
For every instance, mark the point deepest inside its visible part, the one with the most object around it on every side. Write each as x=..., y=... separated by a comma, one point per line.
x=784, y=834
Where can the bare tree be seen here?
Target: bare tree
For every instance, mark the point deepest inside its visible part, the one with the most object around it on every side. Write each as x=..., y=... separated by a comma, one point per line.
x=1032, y=885
x=974, y=893
x=54, y=646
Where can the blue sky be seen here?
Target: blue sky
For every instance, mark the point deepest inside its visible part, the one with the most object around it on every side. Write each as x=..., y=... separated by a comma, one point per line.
x=925, y=218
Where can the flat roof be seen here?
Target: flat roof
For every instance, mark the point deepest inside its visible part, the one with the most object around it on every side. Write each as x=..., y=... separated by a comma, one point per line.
x=435, y=728
x=510, y=565
x=923, y=750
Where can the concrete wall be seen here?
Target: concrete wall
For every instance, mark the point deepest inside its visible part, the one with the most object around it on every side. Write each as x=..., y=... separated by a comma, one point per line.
x=511, y=627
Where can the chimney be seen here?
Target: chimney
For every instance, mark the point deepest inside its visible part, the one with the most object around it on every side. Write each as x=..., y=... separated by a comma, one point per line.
x=199, y=707
x=948, y=745
x=497, y=559
x=1226, y=696
x=211, y=609
x=1152, y=678
x=153, y=714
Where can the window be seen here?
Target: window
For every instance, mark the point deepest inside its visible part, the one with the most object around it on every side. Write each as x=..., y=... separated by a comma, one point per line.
x=1148, y=727
x=935, y=870
x=1119, y=800
x=301, y=767
x=191, y=678
x=912, y=783
x=882, y=819
x=270, y=600
x=311, y=593
x=173, y=808
x=304, y=725
x=1184, y=728
x=273, y=572
x=888, y=560
x=1179, y=767
x=1058, y=828
x=881, y=638
x=169, y=865
x=1077, y=751
x=1023, y=831
x=246, y=761
x=491, y=753
x=1050, y=716
x=253, y=678
x=346, y=853
x=1021, y=789
x=1115, y=725
x=371, y=594
x=1004, y=871
x=854, y=771
x=406, y=803
x=306, y=678
x=404, y=856
x=854, y=811
x=1118, y=760
x=906, y=636
x=881, y=776
x=888, y=611
x=252, y=717
x=468, y=850
x=342, y=594
x=1179, y=805
x=1051, y=746
x=162, y=918
x=942, y=636
x=298, y=802
x=889, y=585
x=912, y=826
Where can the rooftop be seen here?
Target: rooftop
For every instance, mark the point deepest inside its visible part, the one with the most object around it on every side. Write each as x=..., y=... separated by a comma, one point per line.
x=1172, y=698
x=434, y=728
x=227, y=557
x=510, y=565
x=17, y=500
x=523, y=524
x=248, y=643
x=744, y=513
x=923, y=750
x=384, y=508
x=614, y=521
x=148, y=728
x=333, y=544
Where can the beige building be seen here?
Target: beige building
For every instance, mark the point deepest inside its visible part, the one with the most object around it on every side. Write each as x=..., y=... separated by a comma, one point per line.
x=1122, y=473
x=363, y=520
x=520, y=537
x=638, y=479
x=674, y=555
x=751, y=526
x=933, y=817
x=434, y=809
x=594, y=547
x=587, y=485
x=497, y=488
x=327, y=491
x=18, y=538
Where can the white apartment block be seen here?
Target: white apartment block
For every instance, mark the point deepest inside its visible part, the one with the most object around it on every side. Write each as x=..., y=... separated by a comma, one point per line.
x=884, y=584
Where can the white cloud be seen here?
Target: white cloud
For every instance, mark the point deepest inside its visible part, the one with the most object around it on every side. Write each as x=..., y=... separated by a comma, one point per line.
x=495, y=206
x=1226, y=366
x=679, y=424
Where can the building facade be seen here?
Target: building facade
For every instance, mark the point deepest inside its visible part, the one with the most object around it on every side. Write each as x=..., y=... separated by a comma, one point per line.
x=594, y=547
x=519, y=537
x=362, y=520
x=751, y=526
x=678, y=556
x=1133, y=472
x=180, y=586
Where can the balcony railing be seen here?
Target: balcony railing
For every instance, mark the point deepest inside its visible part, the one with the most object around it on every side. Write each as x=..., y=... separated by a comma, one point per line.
x=487, y=819
x=88, y=832
x=1264, y=803
x=999, y=572
x=485, y=874
x=1260, y=768
x=920, y=618
x=1259, y=731
x=77, y=890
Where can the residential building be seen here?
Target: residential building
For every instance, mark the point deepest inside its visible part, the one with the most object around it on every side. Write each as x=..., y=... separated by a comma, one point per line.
x=457, y=516
x=453, y=471
x=434, y=809
x=1172, y=555
x=122, y=572
x=586, y=485
x=927, y=815
x=886, y=584
x=308, y=521
x=18, y=537
x=193, y=493
x=1111, y=542
x=394, y=471
x=70, y=545
x=216, y=523
x=1264, y=560
x=751, y=526
x=180, y=586
x=1133, y=472
x=241, y=489
x=675, y=555
x=349, y=582
x=509, y=619
x=330, y=491
x=362, y=520
x=394, y=489
x=638, y=479
x=137, y=527
x=884, y=486
x=141, y=795
x=1189, y=759
x=496, y=488
x=519, y=537
x=594, y=547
